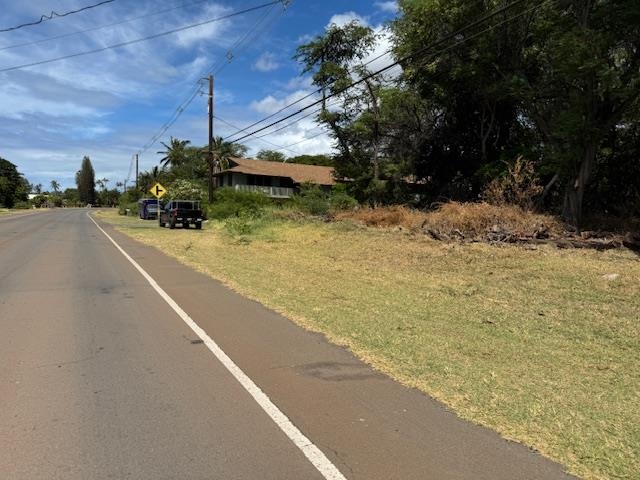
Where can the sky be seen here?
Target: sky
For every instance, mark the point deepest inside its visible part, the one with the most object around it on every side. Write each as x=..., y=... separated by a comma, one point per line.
x=115, y=103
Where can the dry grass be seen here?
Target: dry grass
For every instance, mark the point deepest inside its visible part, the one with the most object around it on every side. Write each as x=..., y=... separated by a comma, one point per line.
x=473, y=220
x=535, y=344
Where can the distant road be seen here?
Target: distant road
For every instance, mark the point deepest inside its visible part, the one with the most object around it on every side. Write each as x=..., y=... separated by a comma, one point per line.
x=102, y=379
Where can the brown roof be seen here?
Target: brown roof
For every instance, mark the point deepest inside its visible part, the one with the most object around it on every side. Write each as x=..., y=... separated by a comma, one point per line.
x=297, y=172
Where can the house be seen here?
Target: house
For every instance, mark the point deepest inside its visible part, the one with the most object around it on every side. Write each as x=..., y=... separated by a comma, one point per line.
x=275, y=179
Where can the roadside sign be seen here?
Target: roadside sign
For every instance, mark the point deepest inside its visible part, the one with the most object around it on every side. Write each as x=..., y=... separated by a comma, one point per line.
x=158, y=190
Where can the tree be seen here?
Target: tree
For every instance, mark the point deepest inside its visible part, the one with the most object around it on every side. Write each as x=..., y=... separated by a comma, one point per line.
x=85, y=180
x=13, y=186
x=336, y=60
x=55, y=186
x=223, y=151
x=148, y=178
x=271, y=156
x=468, y=118
x=556, y=84
x=583, y=87
x=175, y=153
x=322, y=159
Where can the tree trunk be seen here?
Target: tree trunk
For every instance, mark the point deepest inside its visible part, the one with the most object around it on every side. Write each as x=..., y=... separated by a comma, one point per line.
x=574, y=194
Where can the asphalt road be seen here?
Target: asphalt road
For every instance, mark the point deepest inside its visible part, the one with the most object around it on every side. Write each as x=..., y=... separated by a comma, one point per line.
x=100, y=378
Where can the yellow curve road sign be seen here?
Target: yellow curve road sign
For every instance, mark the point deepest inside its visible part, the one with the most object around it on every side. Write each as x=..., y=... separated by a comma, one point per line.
x=158, y=190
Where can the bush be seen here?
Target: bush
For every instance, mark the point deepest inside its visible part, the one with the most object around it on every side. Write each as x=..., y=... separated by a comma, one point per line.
x=228, y=202
x=184, y=190
x=241, y=225
x=128, y=209
x=312, y=199
x=340, y=199
x=518, y=186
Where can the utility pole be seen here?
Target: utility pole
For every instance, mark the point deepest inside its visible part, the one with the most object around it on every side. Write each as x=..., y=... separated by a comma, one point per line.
x=136, y=172
x=211, y=156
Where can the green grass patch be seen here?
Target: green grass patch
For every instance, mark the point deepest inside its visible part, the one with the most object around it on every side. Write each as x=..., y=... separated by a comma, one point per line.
x=534, y=343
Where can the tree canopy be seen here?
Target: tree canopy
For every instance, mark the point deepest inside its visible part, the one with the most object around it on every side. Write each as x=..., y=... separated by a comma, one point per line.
x=483, y=84
x=13, y=186
x=86, y=183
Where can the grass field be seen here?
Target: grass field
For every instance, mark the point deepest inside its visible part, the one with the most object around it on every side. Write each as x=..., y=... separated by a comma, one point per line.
x=534, y=343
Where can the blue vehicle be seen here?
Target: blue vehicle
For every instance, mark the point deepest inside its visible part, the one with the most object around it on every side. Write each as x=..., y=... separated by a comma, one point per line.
x=148, y=208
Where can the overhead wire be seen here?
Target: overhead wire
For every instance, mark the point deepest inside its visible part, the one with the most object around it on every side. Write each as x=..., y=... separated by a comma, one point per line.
x=257, y=30
x=139, y=40
x=101, y=27
x=194, y=93
x=421, y=51
x=53, y=15
x=279, y=147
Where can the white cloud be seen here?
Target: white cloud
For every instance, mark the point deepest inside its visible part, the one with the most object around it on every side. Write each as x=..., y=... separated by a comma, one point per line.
x=343, y=19
x=390, y=7
x=266, y=63
x=271, y=104
x=210, y=31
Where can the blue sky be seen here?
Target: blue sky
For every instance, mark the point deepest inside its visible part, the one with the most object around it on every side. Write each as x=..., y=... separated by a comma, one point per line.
x=110, y=105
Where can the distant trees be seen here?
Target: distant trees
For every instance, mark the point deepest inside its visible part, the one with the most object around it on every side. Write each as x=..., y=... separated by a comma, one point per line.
x=13, y=186
x=86, y=183
x=271, y=156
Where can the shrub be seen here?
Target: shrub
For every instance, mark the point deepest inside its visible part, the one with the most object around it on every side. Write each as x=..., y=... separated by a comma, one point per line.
x=228, y=202
x=128, y=208
x=340, y=199
x=518, y=186
x=241, y=225
x=184, y=190
x=312, y=199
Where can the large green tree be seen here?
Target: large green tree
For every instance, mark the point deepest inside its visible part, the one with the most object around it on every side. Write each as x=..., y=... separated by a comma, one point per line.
x=86, y=182
x=349, y=109
x=13, y=186
x=467, y=111
x=582, y=87
x=555, y=81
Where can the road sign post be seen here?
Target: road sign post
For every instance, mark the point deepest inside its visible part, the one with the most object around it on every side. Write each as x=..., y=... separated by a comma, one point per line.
x=158, y=191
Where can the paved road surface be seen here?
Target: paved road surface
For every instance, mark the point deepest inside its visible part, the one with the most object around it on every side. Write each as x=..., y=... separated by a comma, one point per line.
x=101, y=379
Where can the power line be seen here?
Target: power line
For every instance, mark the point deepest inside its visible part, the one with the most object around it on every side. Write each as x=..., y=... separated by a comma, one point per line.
x=144, y=39
x=182, y=107
x=55, y=15
x=100, y=27
x=422, y=51
x=320, y=89
x=257, y=138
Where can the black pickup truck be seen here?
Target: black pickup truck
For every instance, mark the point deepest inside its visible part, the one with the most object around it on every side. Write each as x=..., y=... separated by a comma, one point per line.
x=184, y=212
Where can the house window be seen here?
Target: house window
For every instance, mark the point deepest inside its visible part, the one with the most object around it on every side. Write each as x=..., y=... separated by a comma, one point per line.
x=259, y=180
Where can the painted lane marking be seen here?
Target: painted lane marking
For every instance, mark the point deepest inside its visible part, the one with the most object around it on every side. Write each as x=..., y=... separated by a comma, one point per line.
x=318, y=459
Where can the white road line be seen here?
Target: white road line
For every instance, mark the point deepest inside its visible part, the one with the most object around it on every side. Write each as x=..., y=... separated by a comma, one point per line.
x=313, y=453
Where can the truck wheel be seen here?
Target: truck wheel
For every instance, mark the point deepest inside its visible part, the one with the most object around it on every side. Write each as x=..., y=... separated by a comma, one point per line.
x=198, y=225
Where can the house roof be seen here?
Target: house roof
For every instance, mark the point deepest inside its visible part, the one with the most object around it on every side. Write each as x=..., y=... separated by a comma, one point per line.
x=298, y=173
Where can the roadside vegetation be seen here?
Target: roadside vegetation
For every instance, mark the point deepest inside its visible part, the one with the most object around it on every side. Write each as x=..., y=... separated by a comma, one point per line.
x=539, y=343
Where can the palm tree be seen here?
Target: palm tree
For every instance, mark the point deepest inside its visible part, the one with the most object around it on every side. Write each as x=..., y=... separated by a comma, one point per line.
x=219, y=159
x=147, y=179
x=175, y=153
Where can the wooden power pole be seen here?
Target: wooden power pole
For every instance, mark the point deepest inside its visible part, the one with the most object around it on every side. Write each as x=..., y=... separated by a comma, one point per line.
x=211, y=155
